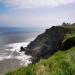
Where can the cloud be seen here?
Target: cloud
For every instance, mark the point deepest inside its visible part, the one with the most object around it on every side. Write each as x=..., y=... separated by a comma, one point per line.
x=23, y=21
x=34, y=3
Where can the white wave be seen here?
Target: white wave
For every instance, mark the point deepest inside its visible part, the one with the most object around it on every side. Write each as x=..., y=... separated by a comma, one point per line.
x=2, y=57
x=15, y=47
x=25, y=59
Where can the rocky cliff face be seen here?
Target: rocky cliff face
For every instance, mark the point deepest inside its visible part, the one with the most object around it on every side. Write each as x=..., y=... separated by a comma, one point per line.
x=47, y=43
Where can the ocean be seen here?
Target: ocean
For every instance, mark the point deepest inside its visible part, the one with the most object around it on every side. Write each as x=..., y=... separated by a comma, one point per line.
x=11, y=39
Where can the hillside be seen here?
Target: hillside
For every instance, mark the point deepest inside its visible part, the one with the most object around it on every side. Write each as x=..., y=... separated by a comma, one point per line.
x=55, y=52
x=50, y=41
x=61, y=63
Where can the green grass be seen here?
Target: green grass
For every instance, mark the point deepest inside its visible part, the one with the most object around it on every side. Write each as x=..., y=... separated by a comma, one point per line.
x=71, y=32
x=23, y=71
x=61, y=63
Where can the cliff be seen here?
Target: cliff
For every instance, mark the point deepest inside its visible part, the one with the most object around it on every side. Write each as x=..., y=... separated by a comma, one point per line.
x=49, y=42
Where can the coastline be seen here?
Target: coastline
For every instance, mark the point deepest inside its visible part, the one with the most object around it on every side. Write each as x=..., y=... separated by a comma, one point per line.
x=15, y=59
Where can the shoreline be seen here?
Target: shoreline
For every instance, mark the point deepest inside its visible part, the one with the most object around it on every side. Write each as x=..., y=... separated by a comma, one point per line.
x=15, y=59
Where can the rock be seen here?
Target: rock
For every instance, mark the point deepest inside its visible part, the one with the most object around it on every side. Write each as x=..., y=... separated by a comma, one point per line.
x=22, y=49
x=47, y=43
x=69, y=43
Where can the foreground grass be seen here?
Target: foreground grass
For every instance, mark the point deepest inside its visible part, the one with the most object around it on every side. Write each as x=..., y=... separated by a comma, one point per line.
x=61, y=63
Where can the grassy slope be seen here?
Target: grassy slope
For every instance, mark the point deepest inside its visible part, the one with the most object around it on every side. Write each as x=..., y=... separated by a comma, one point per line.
x=61, y=63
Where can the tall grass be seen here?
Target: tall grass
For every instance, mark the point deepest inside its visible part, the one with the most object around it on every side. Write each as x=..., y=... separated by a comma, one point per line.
x=61, y=63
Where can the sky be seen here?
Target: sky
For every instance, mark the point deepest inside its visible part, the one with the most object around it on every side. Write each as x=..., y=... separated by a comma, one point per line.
x=36, y=13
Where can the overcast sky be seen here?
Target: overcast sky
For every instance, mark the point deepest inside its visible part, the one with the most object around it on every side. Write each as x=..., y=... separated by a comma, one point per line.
x=36, y=13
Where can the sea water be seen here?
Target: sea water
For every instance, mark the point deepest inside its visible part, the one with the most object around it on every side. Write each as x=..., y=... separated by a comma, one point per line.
x=11, y=39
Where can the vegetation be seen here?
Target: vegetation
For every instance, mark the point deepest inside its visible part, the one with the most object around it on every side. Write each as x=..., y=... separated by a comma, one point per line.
x=61, y=63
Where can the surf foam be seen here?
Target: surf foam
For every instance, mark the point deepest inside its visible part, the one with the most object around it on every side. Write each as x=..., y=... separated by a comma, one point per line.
x=15, y=47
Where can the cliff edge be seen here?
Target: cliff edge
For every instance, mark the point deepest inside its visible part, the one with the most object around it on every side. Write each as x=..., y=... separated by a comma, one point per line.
x=49, y=42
